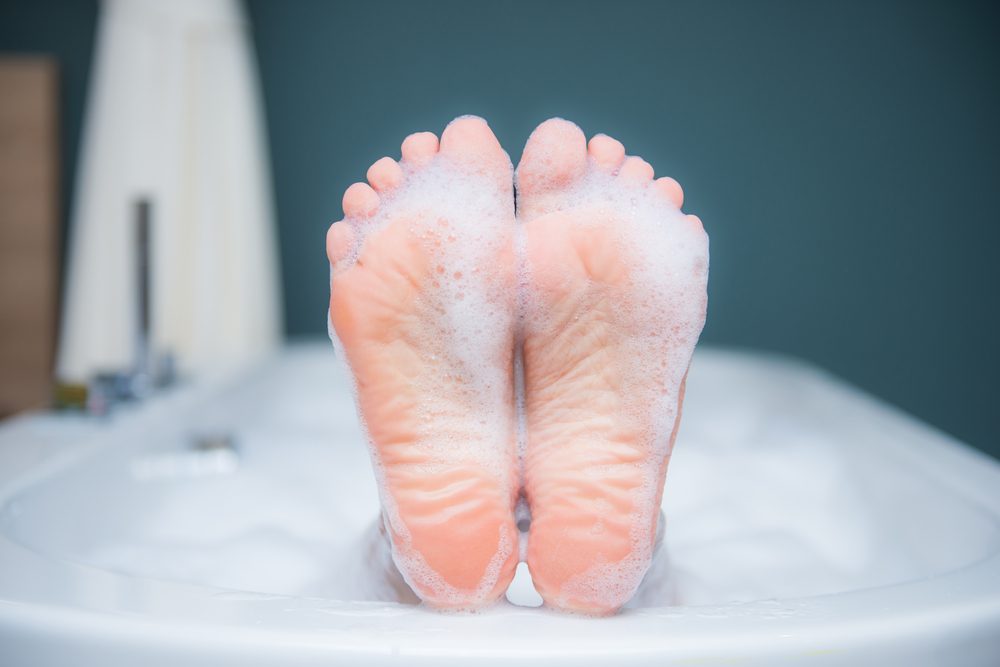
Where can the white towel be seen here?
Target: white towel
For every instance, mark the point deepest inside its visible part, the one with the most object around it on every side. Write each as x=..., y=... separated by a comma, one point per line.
x=173, y=114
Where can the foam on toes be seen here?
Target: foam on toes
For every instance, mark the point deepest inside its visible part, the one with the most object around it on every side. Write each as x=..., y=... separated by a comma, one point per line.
x=670, y=189
x=360, y=201
x=469, y=142
x=339, y=240
x=418, y=148
x=636, y=169
x=555, y=155
x=385, y=174
x=606, y=152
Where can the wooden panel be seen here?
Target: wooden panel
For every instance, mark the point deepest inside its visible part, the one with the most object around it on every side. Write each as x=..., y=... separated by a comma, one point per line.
x=28, y=231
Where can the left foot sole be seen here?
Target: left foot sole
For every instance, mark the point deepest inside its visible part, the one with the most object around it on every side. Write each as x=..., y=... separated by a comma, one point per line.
x=421, y=308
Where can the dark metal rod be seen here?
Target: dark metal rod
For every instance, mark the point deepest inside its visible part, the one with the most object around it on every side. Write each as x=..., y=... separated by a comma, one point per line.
x=143, y=225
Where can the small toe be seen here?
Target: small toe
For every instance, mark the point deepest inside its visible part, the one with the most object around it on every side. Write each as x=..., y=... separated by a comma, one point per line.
x=360, y=201
x=556, y=154
x=637, y=169
x=608, y=153
x=385, y=174
x=695, y=222
x=419, y=148
x=339, y=239
x=469, y=139
x=670, y=189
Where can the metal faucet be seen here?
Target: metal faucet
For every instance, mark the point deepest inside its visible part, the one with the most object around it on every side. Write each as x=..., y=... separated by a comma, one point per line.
x=105, y=390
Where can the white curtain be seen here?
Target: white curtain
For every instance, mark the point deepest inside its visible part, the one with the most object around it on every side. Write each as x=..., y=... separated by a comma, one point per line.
x=174, y=115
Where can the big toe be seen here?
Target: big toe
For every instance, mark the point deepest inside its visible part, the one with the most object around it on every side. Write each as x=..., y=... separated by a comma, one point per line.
x=555, y=155
x=470, y=141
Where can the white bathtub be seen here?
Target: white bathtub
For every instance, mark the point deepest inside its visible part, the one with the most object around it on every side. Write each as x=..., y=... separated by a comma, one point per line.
x=806, y=524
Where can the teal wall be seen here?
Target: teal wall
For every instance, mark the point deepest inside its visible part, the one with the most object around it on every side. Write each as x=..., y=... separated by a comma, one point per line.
x=844, y=156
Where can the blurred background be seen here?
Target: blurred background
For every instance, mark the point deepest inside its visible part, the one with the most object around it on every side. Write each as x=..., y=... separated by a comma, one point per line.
x=844, y=157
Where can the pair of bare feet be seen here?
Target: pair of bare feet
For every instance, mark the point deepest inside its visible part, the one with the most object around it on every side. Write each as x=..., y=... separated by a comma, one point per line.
x=508, y=360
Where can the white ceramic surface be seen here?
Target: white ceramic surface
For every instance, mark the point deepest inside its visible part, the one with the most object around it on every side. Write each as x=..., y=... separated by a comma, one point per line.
x=806, y=524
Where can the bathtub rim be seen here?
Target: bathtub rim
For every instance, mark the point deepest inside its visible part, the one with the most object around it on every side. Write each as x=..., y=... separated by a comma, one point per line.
x=966, y=599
